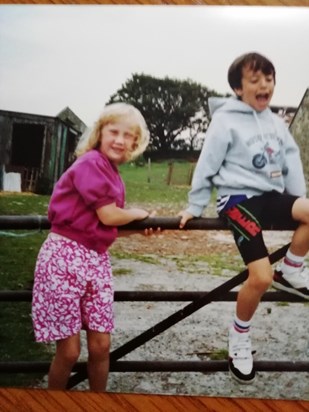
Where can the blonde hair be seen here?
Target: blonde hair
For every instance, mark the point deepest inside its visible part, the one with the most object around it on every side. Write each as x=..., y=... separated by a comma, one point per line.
x=111, y=114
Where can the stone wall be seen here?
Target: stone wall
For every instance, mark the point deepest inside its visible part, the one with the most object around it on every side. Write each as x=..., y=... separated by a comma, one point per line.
x=300, y=130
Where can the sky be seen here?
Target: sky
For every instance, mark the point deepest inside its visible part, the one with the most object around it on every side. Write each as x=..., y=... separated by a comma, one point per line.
x=52, y=56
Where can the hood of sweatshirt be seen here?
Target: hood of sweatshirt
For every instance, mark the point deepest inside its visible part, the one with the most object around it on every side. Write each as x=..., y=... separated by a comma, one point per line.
x=230, y=104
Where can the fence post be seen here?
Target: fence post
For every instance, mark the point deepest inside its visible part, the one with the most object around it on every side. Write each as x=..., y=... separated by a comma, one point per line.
x=169, y=173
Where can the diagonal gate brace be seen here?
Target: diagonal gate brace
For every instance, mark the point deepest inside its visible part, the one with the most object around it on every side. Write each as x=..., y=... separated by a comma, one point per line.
x=178, y=316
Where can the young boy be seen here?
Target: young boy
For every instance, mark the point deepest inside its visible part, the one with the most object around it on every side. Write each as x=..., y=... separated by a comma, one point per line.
x=254, y=163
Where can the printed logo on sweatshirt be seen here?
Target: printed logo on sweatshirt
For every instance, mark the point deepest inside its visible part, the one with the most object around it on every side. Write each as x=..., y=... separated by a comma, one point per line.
x=266, y=136
x=267, y=155
x=238, y=217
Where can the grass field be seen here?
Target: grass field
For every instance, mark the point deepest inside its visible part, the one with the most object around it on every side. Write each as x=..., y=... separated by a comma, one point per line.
x=145, y=186
x=149, y=184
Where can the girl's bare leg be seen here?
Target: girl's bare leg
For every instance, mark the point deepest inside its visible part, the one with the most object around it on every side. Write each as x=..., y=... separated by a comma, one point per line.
x=98, y=360
x=67, y=354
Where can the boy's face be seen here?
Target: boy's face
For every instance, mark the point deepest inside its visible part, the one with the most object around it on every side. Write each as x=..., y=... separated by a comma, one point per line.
x=257, y=88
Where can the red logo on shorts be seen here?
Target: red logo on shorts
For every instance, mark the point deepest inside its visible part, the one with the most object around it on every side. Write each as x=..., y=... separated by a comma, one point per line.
x=250, y=226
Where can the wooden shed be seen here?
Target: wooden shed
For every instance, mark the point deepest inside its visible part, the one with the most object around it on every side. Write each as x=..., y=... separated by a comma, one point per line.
x=37, y=147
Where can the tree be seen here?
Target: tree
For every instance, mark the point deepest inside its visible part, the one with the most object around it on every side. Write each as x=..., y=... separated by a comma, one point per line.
x=170, y=107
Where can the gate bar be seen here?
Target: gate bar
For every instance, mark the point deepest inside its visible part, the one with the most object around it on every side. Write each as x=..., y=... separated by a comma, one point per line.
x=164, y=223
x=162, y=296
x=159, y=366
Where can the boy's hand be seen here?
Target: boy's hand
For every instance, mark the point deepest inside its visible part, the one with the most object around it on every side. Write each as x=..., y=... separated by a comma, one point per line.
x=185, y=217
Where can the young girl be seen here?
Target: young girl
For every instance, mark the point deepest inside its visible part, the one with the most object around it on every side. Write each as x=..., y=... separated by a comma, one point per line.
x=73, y=285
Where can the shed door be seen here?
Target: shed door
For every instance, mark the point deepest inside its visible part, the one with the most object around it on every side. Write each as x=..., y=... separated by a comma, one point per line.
x=27, y=144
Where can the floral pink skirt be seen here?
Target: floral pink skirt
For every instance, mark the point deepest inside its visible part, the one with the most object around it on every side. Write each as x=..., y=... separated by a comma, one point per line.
x=73, y=289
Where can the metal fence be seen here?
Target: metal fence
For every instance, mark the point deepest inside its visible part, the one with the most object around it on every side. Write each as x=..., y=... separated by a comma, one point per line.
x=197, y=301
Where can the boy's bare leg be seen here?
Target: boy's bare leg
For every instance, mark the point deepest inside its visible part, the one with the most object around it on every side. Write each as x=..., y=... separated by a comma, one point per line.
x=98, y=360
x=240, y=353
x=67, y=354
x=300, y=239
x=261, y=272
x=249, y=296
x=291, y=275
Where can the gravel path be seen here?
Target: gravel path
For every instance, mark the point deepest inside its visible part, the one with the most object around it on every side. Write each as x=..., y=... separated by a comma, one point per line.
x=279, y=333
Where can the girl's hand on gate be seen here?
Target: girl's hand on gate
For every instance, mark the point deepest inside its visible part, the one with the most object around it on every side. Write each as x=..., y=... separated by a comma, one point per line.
x=150, y=231
x=146, y=232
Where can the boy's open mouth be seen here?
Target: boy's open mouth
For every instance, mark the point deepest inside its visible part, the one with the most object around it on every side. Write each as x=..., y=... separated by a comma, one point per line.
x=262, y=96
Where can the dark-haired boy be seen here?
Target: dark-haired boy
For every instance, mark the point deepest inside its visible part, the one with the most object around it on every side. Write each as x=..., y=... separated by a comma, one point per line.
x=254, y=163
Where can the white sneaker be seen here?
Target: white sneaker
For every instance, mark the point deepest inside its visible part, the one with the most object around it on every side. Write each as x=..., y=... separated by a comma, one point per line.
x=240, y=356
x=296, y=282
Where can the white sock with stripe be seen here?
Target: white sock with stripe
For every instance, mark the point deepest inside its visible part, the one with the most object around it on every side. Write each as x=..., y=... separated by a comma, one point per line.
x=241, y=326
x=291, y=263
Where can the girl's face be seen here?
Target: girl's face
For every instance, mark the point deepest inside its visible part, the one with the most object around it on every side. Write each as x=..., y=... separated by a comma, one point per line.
x=257, y=88
x=117, y=141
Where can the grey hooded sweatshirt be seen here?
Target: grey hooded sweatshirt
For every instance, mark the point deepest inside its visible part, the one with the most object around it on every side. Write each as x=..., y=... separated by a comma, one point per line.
x=245, y=152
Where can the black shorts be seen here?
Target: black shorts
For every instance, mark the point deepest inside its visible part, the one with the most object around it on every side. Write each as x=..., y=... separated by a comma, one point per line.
x=246, y=219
